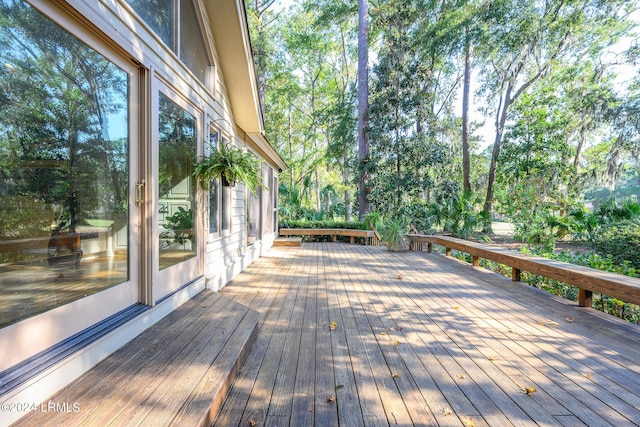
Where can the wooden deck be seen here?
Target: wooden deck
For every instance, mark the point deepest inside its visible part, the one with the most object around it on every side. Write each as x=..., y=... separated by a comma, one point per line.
x=352, y=335
x=420, y=339
x=177, y=372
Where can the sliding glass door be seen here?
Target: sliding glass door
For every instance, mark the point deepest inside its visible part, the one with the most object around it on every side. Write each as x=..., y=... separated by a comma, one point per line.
x=68, y=166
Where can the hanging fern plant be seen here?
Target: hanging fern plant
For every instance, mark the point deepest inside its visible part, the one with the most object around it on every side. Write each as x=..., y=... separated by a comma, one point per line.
x=231, y=165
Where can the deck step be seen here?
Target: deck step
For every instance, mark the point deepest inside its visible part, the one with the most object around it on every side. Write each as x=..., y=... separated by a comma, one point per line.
x=177, y=372
x=287, y=241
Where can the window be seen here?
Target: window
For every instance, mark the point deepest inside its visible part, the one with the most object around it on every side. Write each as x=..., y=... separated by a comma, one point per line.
x=176, y=23
x=159, y=15
x=214, y=190
x=193, y=52
x=219, y=196
x=253, y=214
x=214, y=207
x=267, y=199
x=225, y=209
x=274, y=195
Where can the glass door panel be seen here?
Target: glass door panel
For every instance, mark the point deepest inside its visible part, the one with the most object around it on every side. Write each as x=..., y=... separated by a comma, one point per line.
x=176, y=219
x=65, y=165
x=176, y=186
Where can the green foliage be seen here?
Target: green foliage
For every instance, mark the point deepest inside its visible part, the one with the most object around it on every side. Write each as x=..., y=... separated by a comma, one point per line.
x=181, y=225
x=585, y=225
x=304, y=223
x=539, y=63
x=595, y=226
x=620, y=241
x=540, y=232
x=323, y=224
x=373, y=220
x=230, y=163
x=393, y=234
x=458, y=212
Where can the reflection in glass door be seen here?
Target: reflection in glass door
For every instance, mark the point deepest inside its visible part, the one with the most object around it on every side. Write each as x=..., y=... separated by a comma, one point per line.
x=67, y=152
x=64, y=146
x=176, y=186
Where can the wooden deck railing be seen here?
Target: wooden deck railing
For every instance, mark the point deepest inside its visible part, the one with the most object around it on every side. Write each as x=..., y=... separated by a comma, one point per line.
x=587, y=280
x=371, y=237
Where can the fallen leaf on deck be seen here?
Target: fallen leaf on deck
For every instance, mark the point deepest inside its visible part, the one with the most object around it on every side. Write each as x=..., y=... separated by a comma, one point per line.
x=446, y=411
x=460, y=376
x=399, y=277
x=541, y=323
x=529, y=390
x=253, y=422
x=456, y=307
x=383, y=333
x=332, y=326
x=331, y=398
x=589, y=375
x=552, y=323
x=395, y=375
x=470, y=422
x=339, y=386
x=395, y=342
x=493, y=359
x=569, y=319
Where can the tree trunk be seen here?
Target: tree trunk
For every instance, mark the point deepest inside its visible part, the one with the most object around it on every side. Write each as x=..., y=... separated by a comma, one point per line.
x=466, y=156
x=363, y=106
x=500, y=123
x=347, y=194
x=290, y=136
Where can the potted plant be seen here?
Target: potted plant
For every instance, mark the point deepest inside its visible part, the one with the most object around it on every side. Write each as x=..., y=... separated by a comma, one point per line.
x=230, y=164
x=394, y=235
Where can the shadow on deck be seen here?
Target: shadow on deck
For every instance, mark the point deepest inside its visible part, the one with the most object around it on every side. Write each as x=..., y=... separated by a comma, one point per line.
x=177, y=372
x=352, y=335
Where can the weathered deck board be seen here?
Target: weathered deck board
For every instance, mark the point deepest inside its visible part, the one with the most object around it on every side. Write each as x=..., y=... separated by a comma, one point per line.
x=425, y=340
x=178, y=370
x=419, y=339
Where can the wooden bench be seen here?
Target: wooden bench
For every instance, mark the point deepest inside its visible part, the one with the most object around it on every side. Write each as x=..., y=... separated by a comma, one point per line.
x=588, y=280
x=58, y=249
x=370, y=237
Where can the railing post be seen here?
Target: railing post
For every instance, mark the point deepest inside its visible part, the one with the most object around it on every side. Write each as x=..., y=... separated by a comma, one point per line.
x=585, y=298
x=475, y=261
x=429, y=247
x=515, y=274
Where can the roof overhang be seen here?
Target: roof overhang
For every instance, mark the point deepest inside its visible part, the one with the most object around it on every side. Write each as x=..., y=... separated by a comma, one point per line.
x=230, y=32
x=264, y=148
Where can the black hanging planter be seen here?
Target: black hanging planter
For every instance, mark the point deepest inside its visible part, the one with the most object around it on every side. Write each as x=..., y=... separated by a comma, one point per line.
x=226, y=182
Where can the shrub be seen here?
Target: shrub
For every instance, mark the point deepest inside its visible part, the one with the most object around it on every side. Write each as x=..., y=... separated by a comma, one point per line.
x=393, y=234
x=305, y=223
x=322, y=224
x=620, y=241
